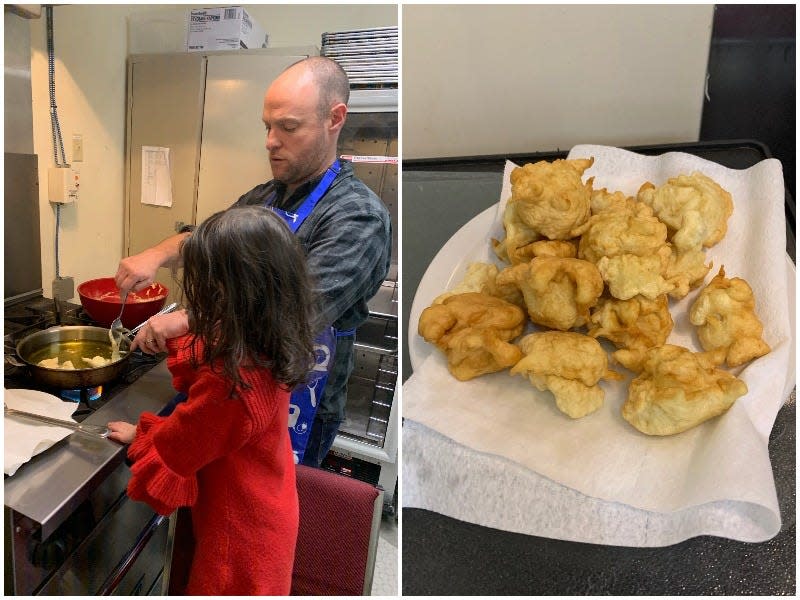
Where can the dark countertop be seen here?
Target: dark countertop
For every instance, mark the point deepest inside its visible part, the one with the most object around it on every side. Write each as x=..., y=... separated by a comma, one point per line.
x=445, y=556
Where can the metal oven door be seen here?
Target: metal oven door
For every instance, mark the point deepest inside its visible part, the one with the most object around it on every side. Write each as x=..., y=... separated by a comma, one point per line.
x=108, y=546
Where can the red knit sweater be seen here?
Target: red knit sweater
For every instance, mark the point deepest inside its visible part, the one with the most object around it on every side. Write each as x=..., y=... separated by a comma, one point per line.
x=230, y=460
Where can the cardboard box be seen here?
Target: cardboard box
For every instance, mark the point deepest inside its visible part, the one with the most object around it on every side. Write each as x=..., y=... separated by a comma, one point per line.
x=223, y=28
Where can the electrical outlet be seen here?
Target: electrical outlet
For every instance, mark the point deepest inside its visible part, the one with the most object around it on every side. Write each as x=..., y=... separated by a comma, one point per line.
x=63, y=184
x=63, y=288
x=77, y=148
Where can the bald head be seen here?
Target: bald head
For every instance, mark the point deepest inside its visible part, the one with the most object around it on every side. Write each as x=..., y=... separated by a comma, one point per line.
x=305, y=109
x=329, y=78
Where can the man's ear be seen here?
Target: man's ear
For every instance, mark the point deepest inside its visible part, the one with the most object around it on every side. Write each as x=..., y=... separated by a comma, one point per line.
x=338, y=116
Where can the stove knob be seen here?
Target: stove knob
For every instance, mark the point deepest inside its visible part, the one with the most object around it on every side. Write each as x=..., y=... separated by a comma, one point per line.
x=49, y=554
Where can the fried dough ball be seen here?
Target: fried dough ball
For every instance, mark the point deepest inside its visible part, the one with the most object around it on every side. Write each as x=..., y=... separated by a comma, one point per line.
x=614, y=233
x=686, y=271
x=475, y=352
x=694, y=206
x=473, y=330
x=518, y=236
x=724, y=313
x=632, y=325
x=478, y=278
x=558, y=291
x=569, y=365
x=677, y=390
x=630, y=250
x=604, y=201
x=629, y=275
x=556, y=248
x=481, y=277
x=550, y=197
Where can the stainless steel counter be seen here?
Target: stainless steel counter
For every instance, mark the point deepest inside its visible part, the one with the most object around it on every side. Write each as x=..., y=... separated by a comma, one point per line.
x=49, y=487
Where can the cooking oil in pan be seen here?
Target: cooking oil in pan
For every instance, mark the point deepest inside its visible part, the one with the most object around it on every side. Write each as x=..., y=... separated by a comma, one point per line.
x=74, y=351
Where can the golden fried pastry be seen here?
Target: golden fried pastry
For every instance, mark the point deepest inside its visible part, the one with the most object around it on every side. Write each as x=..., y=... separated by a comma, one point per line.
x=473, y=352
x=569, y=365
x=724, y=313
x=518, y=236
x=694, y=206
x=614, y=233
x=629, y=275
x=481, y=277
x=550, y=197
x=632, y=325
x=558, y=291
x=677, y=390
x=686, y=271
x=473, y=330
x=631, y=251
x=556, y=248
x=478, y=278
x=604, y=201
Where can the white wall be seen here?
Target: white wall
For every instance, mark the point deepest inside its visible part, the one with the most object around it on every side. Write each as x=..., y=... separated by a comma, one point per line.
x=505, y=79
x=92, y=43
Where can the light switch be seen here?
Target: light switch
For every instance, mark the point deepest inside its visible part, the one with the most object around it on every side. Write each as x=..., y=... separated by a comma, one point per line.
x=77, y=148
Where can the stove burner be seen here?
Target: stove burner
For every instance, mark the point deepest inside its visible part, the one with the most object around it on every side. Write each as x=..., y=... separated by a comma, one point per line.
x=82, y=394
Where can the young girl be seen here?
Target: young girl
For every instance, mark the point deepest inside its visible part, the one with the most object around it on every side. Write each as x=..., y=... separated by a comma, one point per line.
x=225, y=452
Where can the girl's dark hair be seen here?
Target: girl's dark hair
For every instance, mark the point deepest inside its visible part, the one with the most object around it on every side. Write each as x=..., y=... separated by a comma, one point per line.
x=249, y=296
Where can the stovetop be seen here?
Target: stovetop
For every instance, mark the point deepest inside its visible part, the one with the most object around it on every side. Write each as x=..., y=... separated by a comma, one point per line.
x=36, y=314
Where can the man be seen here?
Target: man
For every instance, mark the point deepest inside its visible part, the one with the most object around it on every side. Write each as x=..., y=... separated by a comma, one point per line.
x=346, y=234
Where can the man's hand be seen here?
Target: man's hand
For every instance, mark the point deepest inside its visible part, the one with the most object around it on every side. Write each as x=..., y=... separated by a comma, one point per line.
x=152, y=337
x=138, y=271
x=122, y=431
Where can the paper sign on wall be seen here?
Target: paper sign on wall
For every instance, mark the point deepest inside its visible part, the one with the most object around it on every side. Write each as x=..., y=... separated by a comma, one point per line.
x=156, y=178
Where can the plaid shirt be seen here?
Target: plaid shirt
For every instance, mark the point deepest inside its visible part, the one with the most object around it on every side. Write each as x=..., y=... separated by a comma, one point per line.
x=348, y=242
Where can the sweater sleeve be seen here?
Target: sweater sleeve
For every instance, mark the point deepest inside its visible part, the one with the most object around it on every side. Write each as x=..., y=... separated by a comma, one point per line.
x=152, y=481
x=167, y=452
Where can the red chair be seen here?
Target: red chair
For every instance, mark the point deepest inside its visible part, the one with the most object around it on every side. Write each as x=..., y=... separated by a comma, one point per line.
x=337, y=542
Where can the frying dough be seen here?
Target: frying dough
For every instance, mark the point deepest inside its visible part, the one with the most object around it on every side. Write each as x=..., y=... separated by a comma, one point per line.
x=52, y=363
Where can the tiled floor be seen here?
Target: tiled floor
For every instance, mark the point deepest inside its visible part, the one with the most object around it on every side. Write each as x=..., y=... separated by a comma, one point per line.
x=384, y=580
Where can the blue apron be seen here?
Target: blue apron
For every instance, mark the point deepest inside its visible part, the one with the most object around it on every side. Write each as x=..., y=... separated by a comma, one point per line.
x=305, y=398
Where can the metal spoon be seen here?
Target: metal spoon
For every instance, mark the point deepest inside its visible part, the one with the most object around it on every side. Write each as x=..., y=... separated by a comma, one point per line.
x=93, y=430
x=117, y=330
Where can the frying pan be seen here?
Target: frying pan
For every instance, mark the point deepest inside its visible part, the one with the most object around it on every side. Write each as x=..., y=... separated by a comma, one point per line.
x=34, y=343
x=71, y=379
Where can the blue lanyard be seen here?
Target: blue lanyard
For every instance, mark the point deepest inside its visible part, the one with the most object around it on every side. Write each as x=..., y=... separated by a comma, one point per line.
x=295, y=220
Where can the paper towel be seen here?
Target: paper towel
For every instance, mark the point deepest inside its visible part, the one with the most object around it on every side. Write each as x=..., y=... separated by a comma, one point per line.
x=714, y=479
x=23, y=438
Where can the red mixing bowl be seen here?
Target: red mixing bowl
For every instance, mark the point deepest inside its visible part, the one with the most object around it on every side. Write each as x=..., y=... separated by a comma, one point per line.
x=101, y=300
